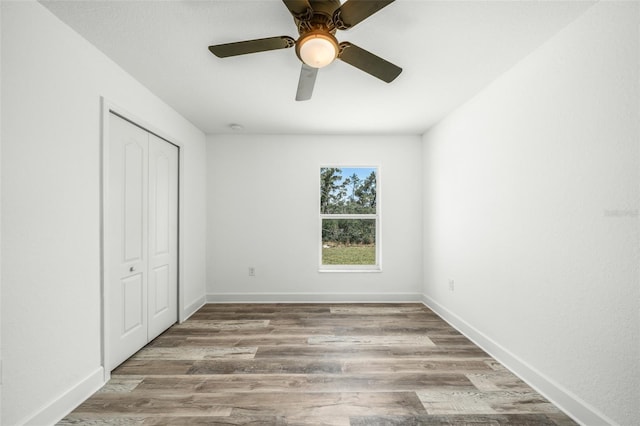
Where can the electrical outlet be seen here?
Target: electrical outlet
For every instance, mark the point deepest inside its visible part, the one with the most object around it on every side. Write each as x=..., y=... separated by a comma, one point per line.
x=252, y=271
x=451, y=285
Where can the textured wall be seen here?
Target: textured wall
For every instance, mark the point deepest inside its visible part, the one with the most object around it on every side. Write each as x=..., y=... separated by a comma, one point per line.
x=263, y=211
x=531, y=207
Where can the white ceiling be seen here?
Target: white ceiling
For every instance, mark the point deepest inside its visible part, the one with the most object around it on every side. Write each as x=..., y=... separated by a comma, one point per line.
x=448, y=50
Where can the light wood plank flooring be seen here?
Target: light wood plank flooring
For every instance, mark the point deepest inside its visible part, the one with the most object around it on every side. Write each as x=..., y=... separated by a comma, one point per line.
x=314, y=364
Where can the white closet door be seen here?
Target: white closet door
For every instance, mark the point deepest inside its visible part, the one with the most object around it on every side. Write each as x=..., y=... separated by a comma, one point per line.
x=126, y=231
x=163, y=236
x=141, y=261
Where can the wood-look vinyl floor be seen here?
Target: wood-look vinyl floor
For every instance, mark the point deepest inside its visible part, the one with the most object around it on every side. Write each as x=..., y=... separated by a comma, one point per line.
x=314, y=364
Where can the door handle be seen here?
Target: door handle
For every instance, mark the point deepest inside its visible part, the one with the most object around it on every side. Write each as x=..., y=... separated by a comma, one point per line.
x=132, y=268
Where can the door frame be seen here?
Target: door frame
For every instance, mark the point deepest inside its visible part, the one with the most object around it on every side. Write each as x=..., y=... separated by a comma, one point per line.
x=108, y=107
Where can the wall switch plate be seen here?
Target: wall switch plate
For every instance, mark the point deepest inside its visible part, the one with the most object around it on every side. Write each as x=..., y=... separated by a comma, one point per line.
x=451, y=285
x=252, y=271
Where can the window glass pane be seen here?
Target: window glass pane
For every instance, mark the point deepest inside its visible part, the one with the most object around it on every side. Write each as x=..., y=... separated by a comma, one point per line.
x=348, y=241
x=348, y=190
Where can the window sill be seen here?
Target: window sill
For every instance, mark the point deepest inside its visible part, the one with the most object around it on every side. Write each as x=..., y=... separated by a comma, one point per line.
x=350, y=270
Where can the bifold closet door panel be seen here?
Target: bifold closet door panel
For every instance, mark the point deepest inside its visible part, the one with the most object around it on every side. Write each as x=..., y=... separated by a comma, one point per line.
x=163, y=236
x=127, y=234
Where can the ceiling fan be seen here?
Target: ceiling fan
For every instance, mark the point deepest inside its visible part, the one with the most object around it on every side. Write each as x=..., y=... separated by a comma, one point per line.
x=317, y=46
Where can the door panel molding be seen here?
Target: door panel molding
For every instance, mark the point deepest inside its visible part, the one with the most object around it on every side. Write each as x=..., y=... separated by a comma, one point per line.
x=132, y=292
x=133, y=233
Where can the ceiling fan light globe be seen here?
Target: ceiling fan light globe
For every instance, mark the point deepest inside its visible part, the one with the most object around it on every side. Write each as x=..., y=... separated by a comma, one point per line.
x=318, y=50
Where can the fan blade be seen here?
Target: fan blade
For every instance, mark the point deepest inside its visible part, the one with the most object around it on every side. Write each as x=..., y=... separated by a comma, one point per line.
x=353, y=12
x=307, y=81
x=368, y=62
x=300, y=9
x=252, y=46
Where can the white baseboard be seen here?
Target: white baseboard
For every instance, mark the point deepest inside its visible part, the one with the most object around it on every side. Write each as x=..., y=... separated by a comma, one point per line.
x=571, y=404
x=192, y=308
x=68, y=401
x=313, y=297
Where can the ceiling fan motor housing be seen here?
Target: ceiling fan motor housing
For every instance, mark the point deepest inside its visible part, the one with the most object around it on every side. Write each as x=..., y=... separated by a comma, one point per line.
x=319, y=17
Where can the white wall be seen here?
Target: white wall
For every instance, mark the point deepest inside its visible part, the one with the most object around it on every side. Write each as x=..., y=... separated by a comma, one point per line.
x=52, y=81
x=531, y=206
x=0, y=223
x=263, y=201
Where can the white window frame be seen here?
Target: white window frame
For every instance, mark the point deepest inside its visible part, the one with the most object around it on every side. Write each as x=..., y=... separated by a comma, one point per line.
x=377, y=267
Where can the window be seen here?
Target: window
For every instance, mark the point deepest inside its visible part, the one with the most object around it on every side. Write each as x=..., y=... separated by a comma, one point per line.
x=349, y=219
